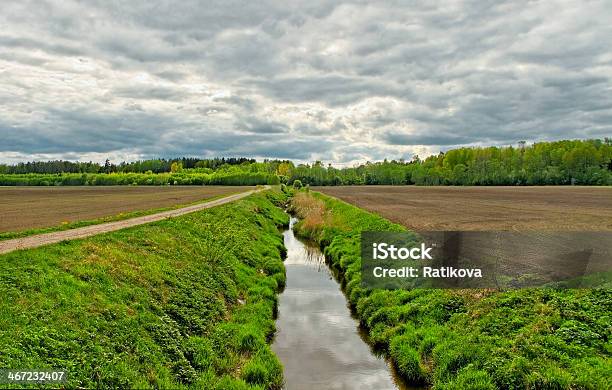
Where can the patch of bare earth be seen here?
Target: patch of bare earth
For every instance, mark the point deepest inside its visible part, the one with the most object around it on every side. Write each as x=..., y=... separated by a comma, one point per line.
x=569, y=208
x=24, y=208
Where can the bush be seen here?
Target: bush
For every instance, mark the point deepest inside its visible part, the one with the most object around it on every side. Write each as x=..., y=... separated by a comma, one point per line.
x=472, y=379
x=407, y=360
x=183, y=177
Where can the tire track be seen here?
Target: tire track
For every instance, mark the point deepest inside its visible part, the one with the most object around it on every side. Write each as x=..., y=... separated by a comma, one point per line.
x=38, y=240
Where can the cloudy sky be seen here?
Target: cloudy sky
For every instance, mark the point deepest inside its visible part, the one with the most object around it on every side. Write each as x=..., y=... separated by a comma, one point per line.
x=337, y=81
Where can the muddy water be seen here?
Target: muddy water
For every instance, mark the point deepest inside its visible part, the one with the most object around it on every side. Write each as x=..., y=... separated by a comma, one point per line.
x=317, y=339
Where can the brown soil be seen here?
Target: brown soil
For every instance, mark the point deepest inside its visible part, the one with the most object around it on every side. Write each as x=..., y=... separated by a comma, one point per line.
x=87, y=231
x=485, y=208
x=24, y=208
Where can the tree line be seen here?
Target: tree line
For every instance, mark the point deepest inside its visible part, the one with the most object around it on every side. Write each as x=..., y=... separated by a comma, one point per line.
x=580, y=162
x=159, y=165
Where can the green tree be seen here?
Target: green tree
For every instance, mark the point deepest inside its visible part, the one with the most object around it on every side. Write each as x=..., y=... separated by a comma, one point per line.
x=176, y=166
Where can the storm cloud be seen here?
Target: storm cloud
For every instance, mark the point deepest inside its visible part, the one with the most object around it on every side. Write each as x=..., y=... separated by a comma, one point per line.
x=342, y=82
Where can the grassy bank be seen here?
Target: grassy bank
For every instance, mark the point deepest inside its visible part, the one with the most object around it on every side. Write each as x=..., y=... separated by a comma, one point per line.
x=458, y=339
x=187, y=302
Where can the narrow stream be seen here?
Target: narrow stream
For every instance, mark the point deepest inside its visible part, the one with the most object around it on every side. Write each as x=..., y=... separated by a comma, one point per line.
x=318, y=341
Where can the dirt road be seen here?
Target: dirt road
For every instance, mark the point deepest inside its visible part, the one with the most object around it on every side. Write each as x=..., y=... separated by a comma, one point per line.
x=87, y=231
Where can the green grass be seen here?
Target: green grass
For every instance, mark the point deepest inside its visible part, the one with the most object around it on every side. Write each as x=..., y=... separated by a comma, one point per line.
x=476, y=339
x=97, y=221
x=187, y=302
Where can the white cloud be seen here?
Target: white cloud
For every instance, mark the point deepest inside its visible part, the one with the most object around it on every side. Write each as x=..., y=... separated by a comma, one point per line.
x=336, y=81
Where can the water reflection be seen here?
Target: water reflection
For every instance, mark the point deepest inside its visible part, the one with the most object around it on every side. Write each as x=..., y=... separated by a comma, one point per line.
x=317, y=340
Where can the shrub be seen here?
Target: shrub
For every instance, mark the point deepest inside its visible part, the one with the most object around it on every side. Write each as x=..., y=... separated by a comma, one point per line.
x=470, y=378
x=407, y=360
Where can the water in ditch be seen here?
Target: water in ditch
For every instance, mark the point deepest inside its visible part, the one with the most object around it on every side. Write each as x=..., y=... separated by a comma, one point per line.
x=318, y=341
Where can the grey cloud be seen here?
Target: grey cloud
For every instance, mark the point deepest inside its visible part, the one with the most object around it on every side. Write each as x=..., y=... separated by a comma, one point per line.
x=301, y=149
x=299, y=81
x=214, y=143
x=238, y=101
x=80, y=131
x=148, y=92
x=310, y=129
x=396, y=138
x=255, y=125
x=333, y=90
x=171, y=75
x=578, y=81
x=40, y=44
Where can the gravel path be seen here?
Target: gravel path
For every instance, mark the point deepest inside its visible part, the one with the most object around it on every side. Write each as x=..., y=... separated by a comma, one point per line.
x=87, y=231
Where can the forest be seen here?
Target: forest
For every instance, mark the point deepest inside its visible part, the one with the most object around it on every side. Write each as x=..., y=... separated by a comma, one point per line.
x=586, y=162
x=568, y=162
x=159, y=165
